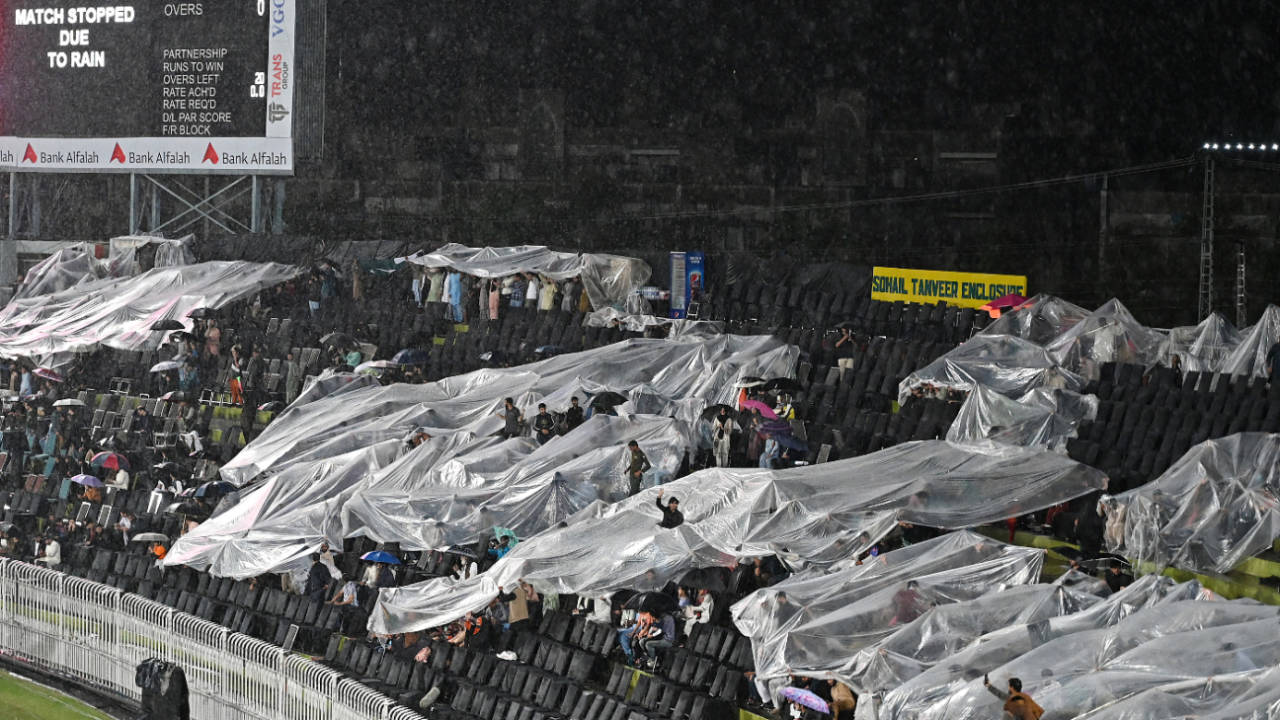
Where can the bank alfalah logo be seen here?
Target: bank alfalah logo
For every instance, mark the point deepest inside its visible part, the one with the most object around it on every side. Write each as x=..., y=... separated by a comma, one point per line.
x=277, y=112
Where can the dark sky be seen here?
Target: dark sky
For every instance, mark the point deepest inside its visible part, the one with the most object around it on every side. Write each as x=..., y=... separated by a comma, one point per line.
x=1142, y=80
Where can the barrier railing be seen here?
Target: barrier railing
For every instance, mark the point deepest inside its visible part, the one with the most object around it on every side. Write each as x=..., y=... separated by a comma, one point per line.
x=94, y=636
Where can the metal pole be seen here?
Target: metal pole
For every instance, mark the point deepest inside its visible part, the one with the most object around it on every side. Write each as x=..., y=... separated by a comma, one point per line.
x=155, y=207
x=1206, y=242
x=13, y=206
x=34, y=220
x=1103, y=214
x=255, y=205
x=1242, y=310
x=277, y=200
x=133, y=204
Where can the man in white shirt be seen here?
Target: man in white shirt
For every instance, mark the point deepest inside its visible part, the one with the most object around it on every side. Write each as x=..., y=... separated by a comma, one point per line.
x=52, y=555
x=326, y=559
x=125, y=525
x=121, y=479
x=700, y=613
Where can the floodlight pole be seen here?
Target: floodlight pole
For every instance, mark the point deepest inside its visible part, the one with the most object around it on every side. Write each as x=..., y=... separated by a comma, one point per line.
x=1206, y=241
x=1242, y=310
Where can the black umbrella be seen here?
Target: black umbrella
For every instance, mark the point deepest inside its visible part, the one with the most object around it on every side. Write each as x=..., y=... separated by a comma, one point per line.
x=711, y=412
x=202, y=312
x=337, y=340
x=179, y=336
x=651, y=602
x=715, y=579
x=607, y=399
x=781, y=384
x=166, y=325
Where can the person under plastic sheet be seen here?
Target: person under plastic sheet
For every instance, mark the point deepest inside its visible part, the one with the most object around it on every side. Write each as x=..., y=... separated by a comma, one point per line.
x=544, y=426
x=671, y=515
x=637, y=465
x=1017, y=704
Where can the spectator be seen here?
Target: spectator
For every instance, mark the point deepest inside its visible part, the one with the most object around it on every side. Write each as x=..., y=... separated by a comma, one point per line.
x=698, y=614
x=51, y=552
x=671, y=515
x=637, y=466
x=573, y=417
x=517, y=606
x=661, y=636
x=1117, y=579
x=843, y=700
x=511, y=419
x=722, y=431
x=1017, y=705
x=544, y=426
x=908, y=604
x=633, y=632
x=317, y=579
x=771, y=451
x=292, y=379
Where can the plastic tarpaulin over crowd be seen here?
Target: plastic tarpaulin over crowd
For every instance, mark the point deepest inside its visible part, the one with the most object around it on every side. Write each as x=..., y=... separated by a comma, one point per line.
x=77, y=264
x=1044, y=417
x=119, y=312
x=462, y=479
x=1218, y=505
x=1008, y=365
x=1203, y=347
x=608, y=279
x=1040, y=319
x=816, y=624
x=1108, y=334
x=1154, y=649
x=816, y=514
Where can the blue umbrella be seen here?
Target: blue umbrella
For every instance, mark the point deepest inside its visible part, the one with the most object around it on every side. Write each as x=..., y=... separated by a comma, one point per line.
x=411, y=356
x=380, y=556
x=791, y=442
x=217, y=487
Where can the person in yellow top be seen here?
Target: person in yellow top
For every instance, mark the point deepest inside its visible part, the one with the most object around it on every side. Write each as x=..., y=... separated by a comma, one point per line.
x=784, y=409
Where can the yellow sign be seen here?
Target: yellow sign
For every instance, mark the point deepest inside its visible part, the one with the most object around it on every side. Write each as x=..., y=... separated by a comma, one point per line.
x=956, y=288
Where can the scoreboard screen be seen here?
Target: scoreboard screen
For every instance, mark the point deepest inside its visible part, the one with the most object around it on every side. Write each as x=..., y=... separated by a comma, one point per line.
x=147, y=86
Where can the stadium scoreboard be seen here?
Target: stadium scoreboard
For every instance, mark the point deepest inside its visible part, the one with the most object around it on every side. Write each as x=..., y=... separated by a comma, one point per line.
x=147, y=86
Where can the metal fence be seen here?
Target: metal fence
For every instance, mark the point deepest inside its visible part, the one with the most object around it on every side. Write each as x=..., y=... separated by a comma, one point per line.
x=95, y=635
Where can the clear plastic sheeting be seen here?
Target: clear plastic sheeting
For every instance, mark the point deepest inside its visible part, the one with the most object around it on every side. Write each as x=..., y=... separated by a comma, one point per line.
x=1040, y=319
x=1008, y=365
x=277, y=524
x=608, y=279
x=77, y=263
x=1201, y=348
x=1044, y=417
x=814, y=515
x=675, y=328
x=119, y=312
x=1126, y=656
x=1218, y=505
x=673, y=378
x=1250, y=356
x=465, y=486
x=817, y=625
x=1108, y=334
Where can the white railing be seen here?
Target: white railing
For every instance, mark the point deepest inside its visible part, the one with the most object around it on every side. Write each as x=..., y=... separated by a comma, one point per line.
x=94, y=636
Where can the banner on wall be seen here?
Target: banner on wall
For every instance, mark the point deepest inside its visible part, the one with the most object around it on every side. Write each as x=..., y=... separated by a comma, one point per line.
x=962, y=289
x=688, y=280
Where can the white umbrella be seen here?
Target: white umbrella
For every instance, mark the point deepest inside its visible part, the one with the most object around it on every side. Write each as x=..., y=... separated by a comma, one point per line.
x=150, y=537
x=69, y=402
x=165, y=366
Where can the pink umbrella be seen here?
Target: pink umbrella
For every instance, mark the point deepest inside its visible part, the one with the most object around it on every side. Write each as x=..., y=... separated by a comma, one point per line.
x=764, y=409
x=1012, y=300
x=47, y=374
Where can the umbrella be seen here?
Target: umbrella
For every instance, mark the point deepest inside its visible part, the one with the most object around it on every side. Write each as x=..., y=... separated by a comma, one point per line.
x=651, y=602
x=714, y=579
x=547, y=350
x=166, y=366
x=337, y=340
x=376, y=366
x=411, y=356
x=1005, y=302
x=777, y=427
x=749, y=381
x=150, y=537
x=764, y=409
x=800, y=696
x=202, y=312
x=607, y=399
x=217, y=487
x=791, y=442
x=786, y=385
x=166, y=325
x=179, y=336
x=87, y=481
x=272, y=406
x=167, y=466
x=711, y=412
x=47, y=374
x=69, y=402
x=110, y=461
x=380, y=556
x=5, y=527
